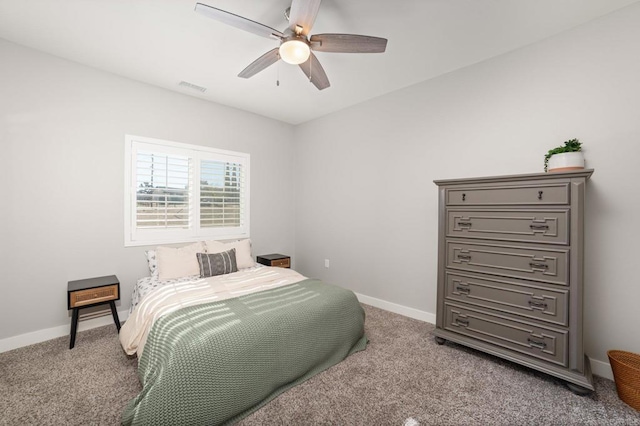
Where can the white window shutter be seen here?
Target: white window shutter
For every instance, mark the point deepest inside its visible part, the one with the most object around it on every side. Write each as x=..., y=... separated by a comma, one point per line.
x=163, y=190
x=222, y=186
x=176, y=192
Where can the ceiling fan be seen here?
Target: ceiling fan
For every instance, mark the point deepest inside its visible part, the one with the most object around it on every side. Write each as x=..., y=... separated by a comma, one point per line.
x=295, y=45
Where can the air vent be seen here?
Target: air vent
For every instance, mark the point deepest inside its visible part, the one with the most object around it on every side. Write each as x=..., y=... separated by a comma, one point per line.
x=192, y=86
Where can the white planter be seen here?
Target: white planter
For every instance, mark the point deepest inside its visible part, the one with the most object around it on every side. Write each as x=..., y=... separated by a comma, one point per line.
x=566, y=161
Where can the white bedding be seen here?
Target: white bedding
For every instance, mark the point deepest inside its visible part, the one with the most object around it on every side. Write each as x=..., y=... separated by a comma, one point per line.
x=154, y=298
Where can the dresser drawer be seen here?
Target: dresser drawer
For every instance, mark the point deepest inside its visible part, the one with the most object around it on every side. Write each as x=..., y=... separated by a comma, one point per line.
x=543, y=194
x=530, y=339
x=536, y=226
x=540, y=303
x=535, y=264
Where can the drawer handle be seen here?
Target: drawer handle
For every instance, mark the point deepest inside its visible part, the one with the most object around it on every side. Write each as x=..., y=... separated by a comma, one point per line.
x=536, y=226
x=539, y=195
x=464, y=256
x=536, y=344
x=462, y=322
x=539, y=265
x=537, y=305
x=464, y=197
x=463, y=290
x=464, y=223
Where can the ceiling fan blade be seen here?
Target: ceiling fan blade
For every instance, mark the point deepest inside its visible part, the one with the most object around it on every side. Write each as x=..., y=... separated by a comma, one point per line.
x=269, y=58
x=238, y=21
x=347, y=43
x=303, y=13
x=314, y=71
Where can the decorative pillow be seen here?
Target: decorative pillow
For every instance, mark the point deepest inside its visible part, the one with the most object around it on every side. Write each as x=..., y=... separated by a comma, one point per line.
x=152, y=262
x=178, y=262
x=243, y=251
x=212, y=264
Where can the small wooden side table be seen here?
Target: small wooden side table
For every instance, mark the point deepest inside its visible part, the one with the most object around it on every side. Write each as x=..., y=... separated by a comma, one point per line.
x=92, y=292
x=280, y=260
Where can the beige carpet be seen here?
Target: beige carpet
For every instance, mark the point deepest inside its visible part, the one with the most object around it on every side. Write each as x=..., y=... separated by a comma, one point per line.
x=402, y=377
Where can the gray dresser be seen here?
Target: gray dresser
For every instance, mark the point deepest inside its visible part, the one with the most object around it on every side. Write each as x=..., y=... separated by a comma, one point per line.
x=510, y=270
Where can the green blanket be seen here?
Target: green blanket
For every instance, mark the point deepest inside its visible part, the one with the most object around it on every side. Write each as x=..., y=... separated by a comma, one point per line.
x=218, y=362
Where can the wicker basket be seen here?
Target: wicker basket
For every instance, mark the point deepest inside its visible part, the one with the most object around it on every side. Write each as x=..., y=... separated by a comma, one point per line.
x=626, y=372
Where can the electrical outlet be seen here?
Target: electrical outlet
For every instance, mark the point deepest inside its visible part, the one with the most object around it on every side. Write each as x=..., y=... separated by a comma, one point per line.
x=326, y=263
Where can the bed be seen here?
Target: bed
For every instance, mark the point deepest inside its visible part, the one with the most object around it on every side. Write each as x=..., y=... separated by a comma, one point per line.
x=212, y=350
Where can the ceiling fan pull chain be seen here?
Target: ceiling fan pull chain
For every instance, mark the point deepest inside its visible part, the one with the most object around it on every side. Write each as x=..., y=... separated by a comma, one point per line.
x=278, y=72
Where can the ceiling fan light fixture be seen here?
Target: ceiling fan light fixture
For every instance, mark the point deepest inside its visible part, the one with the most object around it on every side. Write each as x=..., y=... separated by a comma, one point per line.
x=294, y=51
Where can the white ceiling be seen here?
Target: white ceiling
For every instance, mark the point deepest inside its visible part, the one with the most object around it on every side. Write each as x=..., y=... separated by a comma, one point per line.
x=163, y=42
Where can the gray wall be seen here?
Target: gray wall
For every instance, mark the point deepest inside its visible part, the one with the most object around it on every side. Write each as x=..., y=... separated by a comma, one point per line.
x=364, y=192
x=62, y=130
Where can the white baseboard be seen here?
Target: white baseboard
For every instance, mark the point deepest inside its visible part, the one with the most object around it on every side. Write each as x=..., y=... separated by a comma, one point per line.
x=601, y=368
x=62, y=330
x=398, y=309
x=598, y=368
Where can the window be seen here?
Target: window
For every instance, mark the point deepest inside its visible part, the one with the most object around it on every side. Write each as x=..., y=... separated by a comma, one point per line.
x=176, y=192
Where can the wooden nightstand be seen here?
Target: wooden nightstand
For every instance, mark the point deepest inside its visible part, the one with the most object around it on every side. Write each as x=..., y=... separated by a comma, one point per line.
x=92, y=292
x=279, y=260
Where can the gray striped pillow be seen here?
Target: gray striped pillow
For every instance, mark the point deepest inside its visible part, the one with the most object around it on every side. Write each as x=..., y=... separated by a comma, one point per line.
x=212, y=264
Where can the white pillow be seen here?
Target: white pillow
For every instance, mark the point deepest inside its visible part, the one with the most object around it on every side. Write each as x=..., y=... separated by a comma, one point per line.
x=215, y=246
x=244, y=259
x=178, y=262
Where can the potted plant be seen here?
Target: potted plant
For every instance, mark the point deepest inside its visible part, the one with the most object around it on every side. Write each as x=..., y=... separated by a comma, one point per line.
x=564, y=158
